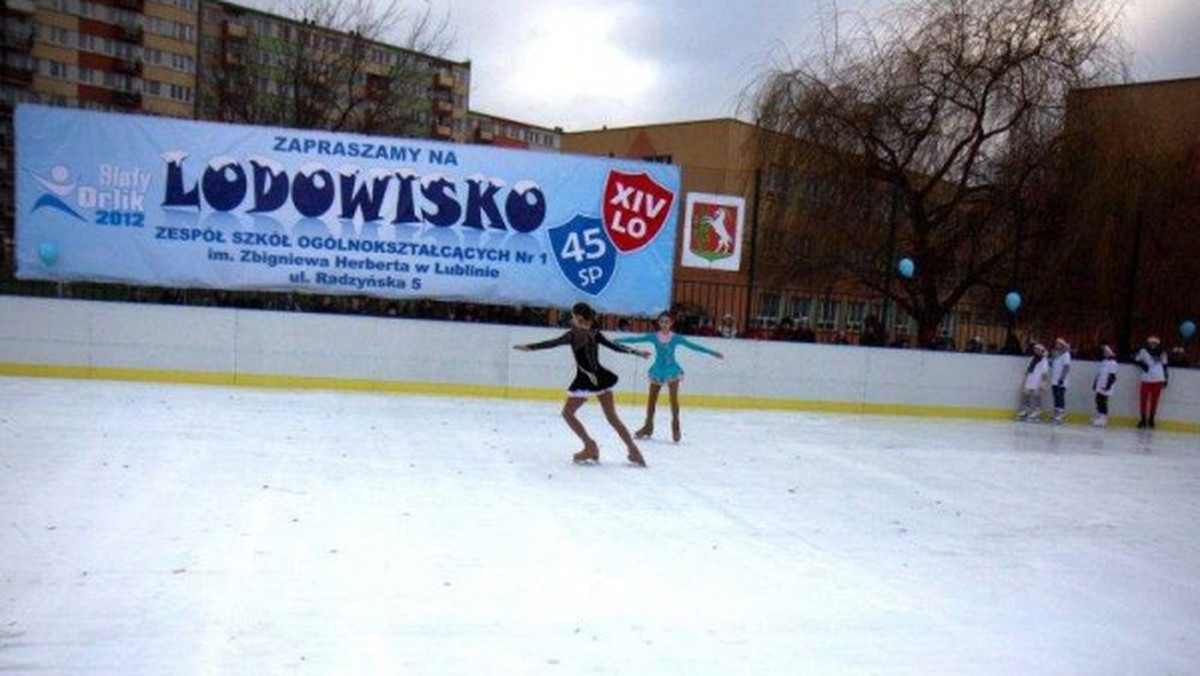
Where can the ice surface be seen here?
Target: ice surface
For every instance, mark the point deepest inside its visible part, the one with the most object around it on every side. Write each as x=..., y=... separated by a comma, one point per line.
x=164, y=529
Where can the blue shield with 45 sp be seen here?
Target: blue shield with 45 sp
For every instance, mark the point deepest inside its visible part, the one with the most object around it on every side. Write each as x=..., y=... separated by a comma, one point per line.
x=585, y=254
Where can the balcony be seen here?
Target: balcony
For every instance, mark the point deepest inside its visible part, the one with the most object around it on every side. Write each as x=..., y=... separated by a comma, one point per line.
x=378, y=87
x=128, y=67
x=19, y=6
x=137, y=6
x=443, y=107
x=127, y=99
x=235, y=31
x=128, y=32
x=19, y=76
x=443, y=81
x=442, y=131
x=17, y=37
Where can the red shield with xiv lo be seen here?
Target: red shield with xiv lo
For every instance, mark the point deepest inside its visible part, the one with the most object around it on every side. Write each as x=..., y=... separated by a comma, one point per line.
x=635, y=209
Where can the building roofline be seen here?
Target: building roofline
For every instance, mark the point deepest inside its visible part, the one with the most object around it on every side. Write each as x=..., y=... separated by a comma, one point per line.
x=300, y=22
x=713, y=120
x=501, y=118
x=1141, y=83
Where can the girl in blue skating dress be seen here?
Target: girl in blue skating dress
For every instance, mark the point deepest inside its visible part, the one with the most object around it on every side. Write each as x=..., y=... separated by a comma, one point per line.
x=665, y=371
x=590, y=378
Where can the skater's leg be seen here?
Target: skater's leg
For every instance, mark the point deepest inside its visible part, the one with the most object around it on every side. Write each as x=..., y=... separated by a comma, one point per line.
x=1101, y=410
x=1027, y=404
x=673, y=393
x=590, y=450
x=1143, y=402
x=1035, y=413
x=647, y=429
x=610, y=413
x=1060, y=403
x=1155, y=392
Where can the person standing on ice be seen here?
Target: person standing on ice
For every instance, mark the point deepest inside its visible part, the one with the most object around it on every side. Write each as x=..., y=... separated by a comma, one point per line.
x=1153, y=362
x=590, y=378
x=1060, y=370
x=665, y=371
x=1106, y=377
x=1037, y=376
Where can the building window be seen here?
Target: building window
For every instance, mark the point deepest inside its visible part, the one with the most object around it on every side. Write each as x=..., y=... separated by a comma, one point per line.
x=801, y=307
x=856, y=311
x=180, y=93
x=57, y=35
x=827, y=320
x=56, y=69
x=769, y=305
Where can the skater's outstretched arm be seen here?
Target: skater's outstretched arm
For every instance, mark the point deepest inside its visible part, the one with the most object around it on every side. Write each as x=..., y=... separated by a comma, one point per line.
x=684, y=342
x=630, y=340
x=616, y=347
x=564, y=339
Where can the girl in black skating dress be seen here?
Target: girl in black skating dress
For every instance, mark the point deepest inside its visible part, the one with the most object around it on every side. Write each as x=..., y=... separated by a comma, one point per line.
x=590, y=378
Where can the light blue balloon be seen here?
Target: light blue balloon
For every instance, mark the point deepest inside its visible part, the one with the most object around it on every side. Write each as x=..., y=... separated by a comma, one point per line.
x=906, y=267
x=1187, y=329
x=48, y=252
x=1012, y=301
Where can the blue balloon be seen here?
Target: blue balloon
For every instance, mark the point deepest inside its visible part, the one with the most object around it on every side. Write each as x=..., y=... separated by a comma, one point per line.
x=906, y=267
x=1187, y=329
x=1012, y=301
x=48, y=252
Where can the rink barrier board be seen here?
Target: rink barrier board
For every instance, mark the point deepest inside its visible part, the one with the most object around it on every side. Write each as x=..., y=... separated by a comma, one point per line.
x=499, y=392
x=256, y=348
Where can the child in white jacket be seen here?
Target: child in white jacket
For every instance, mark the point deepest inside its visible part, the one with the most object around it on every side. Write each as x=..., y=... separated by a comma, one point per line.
x=1037, y=378
x=1060, y=370
x=1106, y=377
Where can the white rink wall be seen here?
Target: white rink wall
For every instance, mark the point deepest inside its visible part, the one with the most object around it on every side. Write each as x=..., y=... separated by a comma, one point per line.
x=88, y=339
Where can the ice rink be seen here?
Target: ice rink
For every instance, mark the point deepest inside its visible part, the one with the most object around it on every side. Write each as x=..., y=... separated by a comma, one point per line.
x=170, y=529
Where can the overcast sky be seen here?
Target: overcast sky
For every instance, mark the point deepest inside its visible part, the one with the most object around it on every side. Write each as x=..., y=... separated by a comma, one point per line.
x=582, y=64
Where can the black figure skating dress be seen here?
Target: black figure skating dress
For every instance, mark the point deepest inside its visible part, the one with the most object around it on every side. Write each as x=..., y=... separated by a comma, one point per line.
x=590, y=376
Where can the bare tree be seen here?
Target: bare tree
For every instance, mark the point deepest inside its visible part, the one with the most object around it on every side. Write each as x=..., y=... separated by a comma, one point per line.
x=926, y=134
x=335, y=67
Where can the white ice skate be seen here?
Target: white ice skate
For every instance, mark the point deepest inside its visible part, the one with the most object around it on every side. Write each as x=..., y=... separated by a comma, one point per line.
x=1100, y=421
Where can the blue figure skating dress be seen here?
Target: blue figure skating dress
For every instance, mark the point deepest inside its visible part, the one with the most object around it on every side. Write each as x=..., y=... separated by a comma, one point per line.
x=665, y=367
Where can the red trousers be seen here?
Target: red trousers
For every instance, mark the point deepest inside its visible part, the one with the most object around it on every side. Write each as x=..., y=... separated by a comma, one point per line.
x=1150, y=392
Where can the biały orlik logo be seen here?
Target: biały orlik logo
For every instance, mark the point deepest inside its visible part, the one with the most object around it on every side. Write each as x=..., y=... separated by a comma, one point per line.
x=59, y=186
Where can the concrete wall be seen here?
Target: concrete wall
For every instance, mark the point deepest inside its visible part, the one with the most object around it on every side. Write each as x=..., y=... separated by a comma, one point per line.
x=81, y=339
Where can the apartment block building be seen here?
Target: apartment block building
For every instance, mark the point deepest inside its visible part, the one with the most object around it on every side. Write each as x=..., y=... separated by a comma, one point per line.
x=485, y=129
x=262, y=68
x=162, y=57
